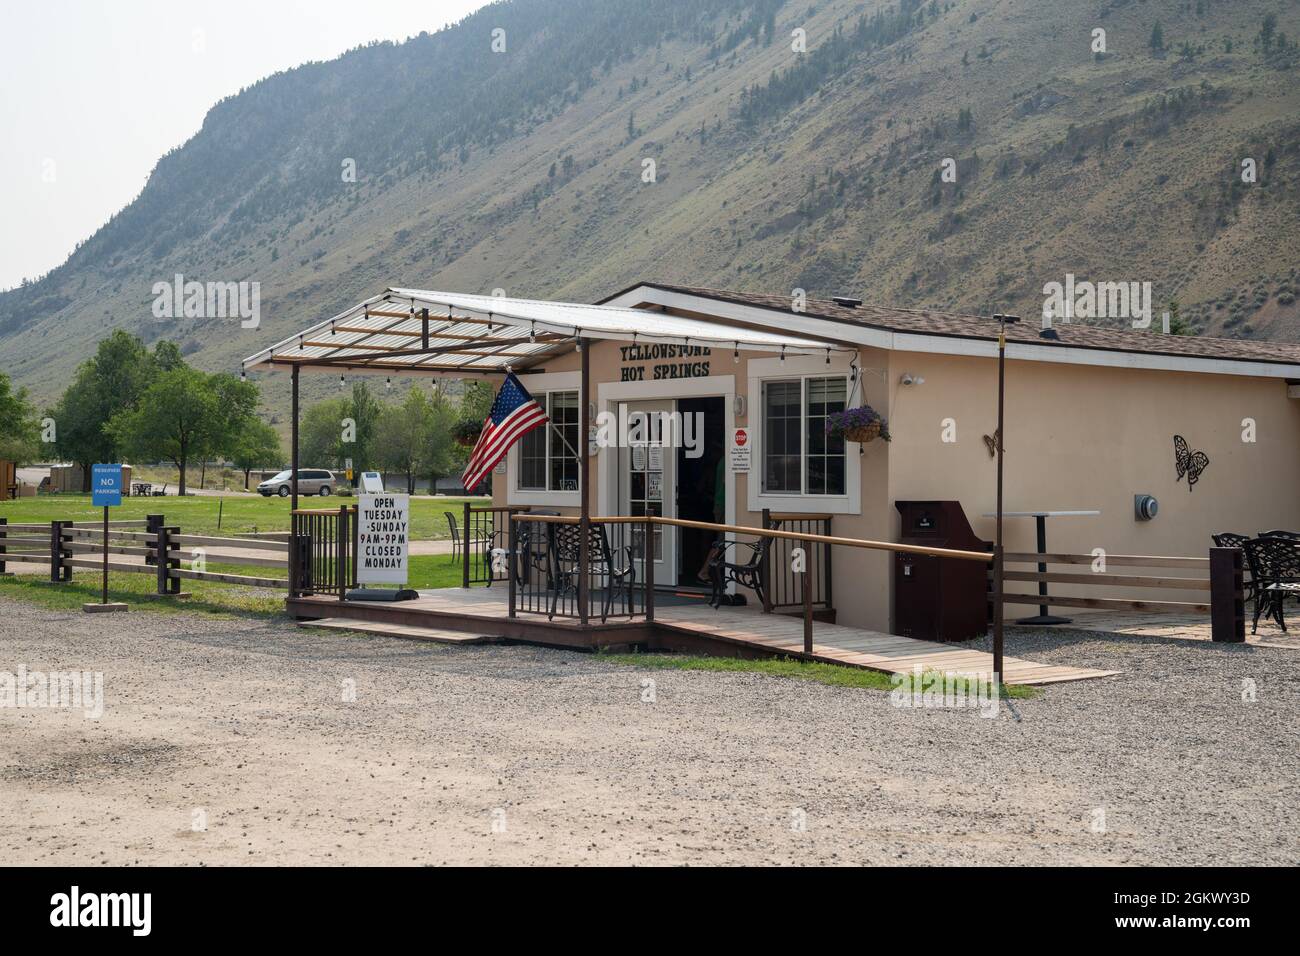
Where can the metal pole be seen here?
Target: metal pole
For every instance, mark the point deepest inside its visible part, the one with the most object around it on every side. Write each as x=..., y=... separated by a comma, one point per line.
x=293, y=478
x=513, y=562
x=584, y=518
x=997, y=547
x=104, y=593
x=466, y=534
x=807, y=598
x=648, y=565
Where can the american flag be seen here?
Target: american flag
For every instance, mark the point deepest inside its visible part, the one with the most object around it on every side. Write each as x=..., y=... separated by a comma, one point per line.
x=514, y=414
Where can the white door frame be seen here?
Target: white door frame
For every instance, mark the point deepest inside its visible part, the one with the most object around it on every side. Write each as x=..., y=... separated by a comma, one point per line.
x=609, y=394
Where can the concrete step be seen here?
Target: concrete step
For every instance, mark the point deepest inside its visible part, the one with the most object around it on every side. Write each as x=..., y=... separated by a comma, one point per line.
x=400, y=630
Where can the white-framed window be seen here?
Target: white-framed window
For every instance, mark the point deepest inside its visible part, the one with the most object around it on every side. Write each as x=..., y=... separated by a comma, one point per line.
x=548, y=455
x=796, y=466
x=799, y=458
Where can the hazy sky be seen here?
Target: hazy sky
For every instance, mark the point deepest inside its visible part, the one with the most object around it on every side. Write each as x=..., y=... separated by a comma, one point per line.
x=93, y=93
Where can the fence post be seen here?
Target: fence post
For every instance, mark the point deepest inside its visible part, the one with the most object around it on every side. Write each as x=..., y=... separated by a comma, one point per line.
x=807, y=600
x=355, y=523
x=59, y=572
x=161, y=546
x=171, y=559
x=830, y=605
x=649, y=565
x=293, y=556
x=464, y=548
x=765, y=568
x=151, y=525
x=513, y=563
x=1227, y=601
x=344, y=537
x=3, y=534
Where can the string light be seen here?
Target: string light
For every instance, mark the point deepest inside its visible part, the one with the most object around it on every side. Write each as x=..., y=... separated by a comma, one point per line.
x=783, y=353
x=388, y=382
x=828, y=356
x=331, y=326
x=341, y=382
x=532, y=333
x=735, y=356
x=243, y=375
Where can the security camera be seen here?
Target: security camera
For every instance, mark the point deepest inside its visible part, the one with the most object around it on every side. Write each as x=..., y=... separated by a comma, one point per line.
x=910, y=379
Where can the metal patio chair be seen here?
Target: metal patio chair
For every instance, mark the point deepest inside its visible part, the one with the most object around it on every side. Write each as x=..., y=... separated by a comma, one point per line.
x=455, y=536
x=1275, y=564
x=530, y=557
x=562, y=552
x=748, y=573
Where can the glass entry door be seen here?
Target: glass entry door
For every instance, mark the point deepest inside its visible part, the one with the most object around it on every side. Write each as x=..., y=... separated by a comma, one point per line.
x=647, y=483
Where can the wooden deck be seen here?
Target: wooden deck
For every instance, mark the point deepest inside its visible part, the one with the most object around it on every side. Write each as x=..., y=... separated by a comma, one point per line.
x=480, y=613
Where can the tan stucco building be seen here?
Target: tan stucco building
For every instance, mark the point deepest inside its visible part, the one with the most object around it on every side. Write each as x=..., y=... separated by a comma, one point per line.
x=1091, y=415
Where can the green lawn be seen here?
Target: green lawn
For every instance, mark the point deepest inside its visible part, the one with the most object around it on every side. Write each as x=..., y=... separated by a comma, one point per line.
x=199, y=514
x=427, y=571
x=834, y=675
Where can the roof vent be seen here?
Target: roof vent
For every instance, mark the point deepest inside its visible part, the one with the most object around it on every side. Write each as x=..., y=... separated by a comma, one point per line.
x=847, y=301
x=1049, y=333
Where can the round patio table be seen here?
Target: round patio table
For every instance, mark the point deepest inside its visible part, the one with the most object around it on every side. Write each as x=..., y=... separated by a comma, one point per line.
x=1040, y=519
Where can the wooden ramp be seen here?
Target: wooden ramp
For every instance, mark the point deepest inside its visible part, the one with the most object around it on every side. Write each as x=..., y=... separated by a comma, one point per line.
x=400, y=630
x=837, y=644
x=479, y=614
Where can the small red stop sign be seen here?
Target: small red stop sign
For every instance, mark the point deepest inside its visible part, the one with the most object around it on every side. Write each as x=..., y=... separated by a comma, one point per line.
x=742, y=437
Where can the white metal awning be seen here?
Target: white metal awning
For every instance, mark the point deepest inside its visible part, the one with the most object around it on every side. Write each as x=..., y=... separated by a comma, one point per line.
x=390, y=333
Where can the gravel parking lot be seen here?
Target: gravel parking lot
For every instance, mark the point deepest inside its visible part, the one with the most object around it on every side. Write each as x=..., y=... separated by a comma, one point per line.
x=230, y=741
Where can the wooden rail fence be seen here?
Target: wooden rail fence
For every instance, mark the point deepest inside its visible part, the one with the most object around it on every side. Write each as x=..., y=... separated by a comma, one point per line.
x=1218, y=577
x=65, y=545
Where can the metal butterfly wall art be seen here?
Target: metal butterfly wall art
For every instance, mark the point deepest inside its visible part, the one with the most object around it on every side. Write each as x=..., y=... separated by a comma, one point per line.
x=991, y=443
x=1188, y=462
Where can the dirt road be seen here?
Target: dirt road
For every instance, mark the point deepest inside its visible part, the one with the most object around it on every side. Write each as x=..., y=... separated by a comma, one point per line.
x=233, y=741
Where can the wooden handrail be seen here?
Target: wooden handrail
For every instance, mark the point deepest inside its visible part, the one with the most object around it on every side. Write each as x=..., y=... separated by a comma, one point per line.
x=1119, y=560
x=987, y=558
x=1110, y=580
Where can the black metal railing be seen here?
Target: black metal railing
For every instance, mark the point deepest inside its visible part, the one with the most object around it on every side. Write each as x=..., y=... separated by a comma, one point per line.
x=544, y=557
x=784, y=582
x=483, y=531
x=323, y=551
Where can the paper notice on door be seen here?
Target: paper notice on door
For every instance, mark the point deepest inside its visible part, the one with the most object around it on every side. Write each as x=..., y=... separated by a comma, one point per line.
x=638, y=457
x=656, y=457
x=654, y=484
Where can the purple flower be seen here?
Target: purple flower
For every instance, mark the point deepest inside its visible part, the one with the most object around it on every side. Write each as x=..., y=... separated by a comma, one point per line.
x=837, y=423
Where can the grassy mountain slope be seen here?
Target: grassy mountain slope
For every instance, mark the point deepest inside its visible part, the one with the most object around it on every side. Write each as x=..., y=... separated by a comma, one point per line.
x=523, y=170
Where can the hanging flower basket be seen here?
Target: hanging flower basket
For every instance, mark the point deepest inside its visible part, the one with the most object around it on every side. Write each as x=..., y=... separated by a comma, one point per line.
x=466, y=432
x=861, y=424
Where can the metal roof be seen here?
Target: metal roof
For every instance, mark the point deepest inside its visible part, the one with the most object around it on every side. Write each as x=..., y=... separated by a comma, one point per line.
x=482, y=334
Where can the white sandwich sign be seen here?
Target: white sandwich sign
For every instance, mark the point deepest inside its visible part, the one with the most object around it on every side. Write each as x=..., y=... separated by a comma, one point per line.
x=383, y=538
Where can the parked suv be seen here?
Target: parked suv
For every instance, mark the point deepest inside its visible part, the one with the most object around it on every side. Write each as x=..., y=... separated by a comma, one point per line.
x=311, y=481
